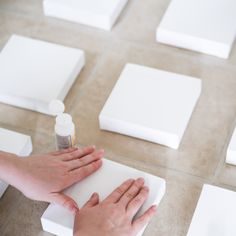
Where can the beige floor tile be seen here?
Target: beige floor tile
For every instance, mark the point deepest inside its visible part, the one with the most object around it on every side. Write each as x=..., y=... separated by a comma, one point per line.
x=139, y=25
x=93, y=48
x=201, y=155
x=140, y=21
x=200, y=150
x=30, y=7
x=23, y=217
x=11, y=195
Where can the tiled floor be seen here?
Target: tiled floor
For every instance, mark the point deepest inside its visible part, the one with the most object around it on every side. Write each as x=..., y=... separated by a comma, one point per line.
x=201, y=156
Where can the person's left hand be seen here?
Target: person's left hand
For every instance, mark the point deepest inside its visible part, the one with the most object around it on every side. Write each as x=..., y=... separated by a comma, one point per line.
x=43, y=177
x=115, y=214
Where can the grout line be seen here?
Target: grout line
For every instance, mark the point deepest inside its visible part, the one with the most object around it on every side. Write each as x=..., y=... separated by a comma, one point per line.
x=223, y=154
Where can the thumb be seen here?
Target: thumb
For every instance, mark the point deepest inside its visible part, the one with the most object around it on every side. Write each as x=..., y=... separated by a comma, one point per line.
x=93, y=201
x=65, y=201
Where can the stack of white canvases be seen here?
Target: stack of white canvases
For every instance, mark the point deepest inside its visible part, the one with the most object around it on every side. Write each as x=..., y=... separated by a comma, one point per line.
x=33, y=72
x=15, y=143
x=215, y=213
x=101, y=14
x=151, y=104
x=207, y=26
x=59, y=221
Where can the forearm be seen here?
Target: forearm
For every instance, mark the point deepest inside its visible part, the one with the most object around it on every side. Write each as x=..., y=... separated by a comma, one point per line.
x=79, y=233
x=8, y=166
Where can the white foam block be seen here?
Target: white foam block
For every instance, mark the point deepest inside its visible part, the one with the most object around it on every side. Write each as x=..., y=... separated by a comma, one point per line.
x=215, y=213
x=151, y=104
x=15, y=143
x=59, y=221
x=207, y=26
x=33, y=72
x=101, y=14
x=231, y=151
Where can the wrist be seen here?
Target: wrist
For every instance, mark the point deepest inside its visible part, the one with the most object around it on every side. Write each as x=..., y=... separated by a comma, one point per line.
x=8, y=166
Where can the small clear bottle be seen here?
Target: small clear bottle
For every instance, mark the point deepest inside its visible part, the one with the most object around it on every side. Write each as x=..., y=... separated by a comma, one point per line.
x=64, y=126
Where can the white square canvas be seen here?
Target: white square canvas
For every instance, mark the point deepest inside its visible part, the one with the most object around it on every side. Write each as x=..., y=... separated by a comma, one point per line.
x=207, y=26
x=59, y=221
x=15, y=143
x=215, y=213
x=231, y=151
x=151, y=104
x=101, y=14
x=34, y=72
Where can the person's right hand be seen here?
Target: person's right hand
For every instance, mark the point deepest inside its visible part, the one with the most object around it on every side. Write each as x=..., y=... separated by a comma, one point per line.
x=115, y=215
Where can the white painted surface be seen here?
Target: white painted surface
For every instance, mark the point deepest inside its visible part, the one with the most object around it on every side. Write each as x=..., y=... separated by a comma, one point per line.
x=207, y=26
x=33, y=72
x=101, y=14
x=231, y=151
x=59, y=221
x=151, y=104
x=215, y=213
x=15, y=143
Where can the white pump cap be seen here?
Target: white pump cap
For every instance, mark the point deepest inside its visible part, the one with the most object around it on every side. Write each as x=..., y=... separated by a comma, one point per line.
x=64, y=125
x=56, y=107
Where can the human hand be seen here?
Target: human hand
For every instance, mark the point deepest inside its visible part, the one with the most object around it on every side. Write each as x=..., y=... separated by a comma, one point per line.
x=43, y=177
x=115, y=215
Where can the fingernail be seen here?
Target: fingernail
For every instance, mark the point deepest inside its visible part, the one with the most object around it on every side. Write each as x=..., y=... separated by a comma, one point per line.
x=101, y=151
x=93, y=146
x=99, y=162
x=140, y=180
x=94, y=195
x=130, y=180
x=145, y=188
x=154, y=207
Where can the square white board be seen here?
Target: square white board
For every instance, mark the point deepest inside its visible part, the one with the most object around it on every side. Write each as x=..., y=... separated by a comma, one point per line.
x=101, y=14
x=231, y=151
x=151, y=104
x=33, y=72
x=215, y=213
x=16, y=143
x=207, y=26
x=59, y=221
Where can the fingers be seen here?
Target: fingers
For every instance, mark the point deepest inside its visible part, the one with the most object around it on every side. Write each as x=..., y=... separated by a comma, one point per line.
x=65, y=201
x=78, y=153
x=118, y=192
x=143, y=220
x=85, y=160
x=131, y=192
x=60, y=152
x=137, y=202
x=84, y=171
x=93, y=201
